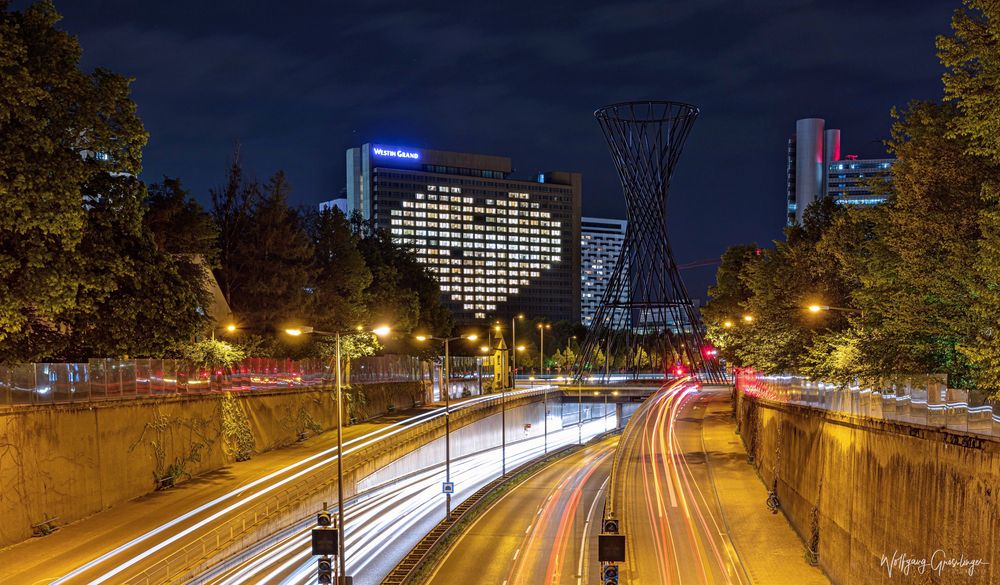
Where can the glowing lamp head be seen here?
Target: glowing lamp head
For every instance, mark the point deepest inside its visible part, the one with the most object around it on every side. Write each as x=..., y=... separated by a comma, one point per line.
x=484, y=349
x=382, y=331
x=472, y=337
x=748, y=318
x=231, y=328
x=727, y=324
x=294, y=332
x=421, y=338
x=815, y=308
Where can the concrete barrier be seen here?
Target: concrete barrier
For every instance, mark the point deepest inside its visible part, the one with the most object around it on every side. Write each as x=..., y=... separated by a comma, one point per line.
x=882, y=501
x=69, y=461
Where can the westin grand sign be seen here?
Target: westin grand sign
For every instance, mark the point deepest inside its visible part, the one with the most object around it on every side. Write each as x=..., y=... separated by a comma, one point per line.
x=395, y=152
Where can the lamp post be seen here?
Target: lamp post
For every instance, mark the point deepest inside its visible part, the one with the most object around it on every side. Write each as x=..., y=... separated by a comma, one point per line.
x=295, y=332
x=819, y=308
x=513, y=343
x=545, y=389
x=446, y=387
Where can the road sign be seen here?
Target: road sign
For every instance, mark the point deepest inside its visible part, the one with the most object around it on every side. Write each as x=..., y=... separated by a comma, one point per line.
x=447, y=487
x=611, y=548
x=324, y=541
x=610, y=526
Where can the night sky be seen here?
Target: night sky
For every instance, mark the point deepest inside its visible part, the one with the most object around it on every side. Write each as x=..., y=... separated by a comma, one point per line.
x=297, y=83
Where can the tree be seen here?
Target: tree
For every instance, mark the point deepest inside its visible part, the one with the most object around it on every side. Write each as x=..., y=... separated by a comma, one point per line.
x=971, y=57
x=972, y=61
x=232, y=209
x=266, y=256
x=727, y=305
x=211, y=353
x=132, y=298
x=341, y=276
x=178, y=223
x=922, y=270
x=402, y=292
x=61, y=127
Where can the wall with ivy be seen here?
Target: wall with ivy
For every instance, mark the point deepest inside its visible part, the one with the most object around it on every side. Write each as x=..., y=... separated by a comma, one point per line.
x=71, y=461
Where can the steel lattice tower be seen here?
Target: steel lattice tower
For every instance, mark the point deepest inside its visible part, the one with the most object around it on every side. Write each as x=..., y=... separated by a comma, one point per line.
x=646, y=321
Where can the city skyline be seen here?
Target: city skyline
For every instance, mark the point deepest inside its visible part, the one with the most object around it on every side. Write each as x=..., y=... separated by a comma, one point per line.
x=480, y=87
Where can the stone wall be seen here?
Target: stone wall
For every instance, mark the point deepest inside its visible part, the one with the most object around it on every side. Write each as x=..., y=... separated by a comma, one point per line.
x=70, y=461
x=873, y=491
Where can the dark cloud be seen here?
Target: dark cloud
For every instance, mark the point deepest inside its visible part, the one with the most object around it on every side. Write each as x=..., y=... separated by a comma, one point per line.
x=299, y=82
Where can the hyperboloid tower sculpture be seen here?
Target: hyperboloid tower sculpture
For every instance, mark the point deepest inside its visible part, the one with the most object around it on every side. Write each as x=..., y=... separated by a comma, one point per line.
x=646, y=321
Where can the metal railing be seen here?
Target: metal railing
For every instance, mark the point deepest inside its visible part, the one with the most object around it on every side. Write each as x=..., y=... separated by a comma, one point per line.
x=920, y=400
x=106, y=379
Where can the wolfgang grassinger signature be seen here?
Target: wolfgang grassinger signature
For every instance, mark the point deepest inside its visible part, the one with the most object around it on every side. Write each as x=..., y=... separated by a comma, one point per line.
x=903, y=563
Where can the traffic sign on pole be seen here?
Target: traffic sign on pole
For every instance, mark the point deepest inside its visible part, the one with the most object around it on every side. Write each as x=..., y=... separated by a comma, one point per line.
x=447, y=487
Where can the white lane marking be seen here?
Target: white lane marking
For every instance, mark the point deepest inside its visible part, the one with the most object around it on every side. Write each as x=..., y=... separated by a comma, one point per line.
x=583, y=537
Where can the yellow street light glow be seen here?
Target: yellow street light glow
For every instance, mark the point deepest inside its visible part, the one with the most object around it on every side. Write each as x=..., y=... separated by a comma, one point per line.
x=748, y=318
x=472, y=337
x=484, y=349
x=230, y=328
x=727, y=324
x=815, y=308
x=520, y=348
x=596, y=393
x=382, y=331
x=360, y=327
x=615, y=393
x=496, y=328
x=521, y=316
x=421, y=338
x=293, y=332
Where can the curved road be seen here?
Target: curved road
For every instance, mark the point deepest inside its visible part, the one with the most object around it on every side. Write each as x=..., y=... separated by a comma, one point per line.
x=542, y=531
x=666, y=499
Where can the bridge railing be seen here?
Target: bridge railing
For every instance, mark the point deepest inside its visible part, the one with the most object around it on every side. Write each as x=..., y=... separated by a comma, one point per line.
x=921, y=400
x=106, y=379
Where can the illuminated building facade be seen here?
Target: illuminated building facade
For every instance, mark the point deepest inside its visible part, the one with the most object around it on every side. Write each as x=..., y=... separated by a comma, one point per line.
x=600, y=247
x=815, y=170
x=499, y=246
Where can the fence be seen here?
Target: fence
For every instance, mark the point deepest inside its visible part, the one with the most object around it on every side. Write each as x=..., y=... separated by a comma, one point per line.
x=105, y=379
x=923, y=400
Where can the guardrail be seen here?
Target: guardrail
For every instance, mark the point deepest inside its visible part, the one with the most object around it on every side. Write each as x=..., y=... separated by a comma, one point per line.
x=921, y=400
x=273, y=511
x=106, y=379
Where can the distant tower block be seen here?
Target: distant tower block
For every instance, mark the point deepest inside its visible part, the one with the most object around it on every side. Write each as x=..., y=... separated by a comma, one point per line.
x=645, y=322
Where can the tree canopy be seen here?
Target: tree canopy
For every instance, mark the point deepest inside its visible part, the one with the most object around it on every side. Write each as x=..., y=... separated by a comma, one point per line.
x=914, y=282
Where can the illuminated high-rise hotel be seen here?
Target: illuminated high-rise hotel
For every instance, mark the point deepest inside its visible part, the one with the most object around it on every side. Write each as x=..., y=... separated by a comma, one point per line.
x=499, y=246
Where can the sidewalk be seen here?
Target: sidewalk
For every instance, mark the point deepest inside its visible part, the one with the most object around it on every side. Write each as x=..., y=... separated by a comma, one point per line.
x=769, y=548
x=40, y=560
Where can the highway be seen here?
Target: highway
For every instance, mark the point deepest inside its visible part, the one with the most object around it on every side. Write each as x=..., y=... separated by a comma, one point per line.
x=136, y=539
x=384, y=523
x=666, y=499
x=540, y=532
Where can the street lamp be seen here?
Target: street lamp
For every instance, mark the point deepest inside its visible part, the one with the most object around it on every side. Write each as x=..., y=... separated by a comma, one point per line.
x=748, y=318
x=545, y=389
x=446, y=388
x=820, y=308
x=295, y=332
x=727, y=324
x=513, y=343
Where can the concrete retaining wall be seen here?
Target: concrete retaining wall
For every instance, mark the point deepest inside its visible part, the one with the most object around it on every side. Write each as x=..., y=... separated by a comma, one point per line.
x=71, y=461
x=874, y=492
